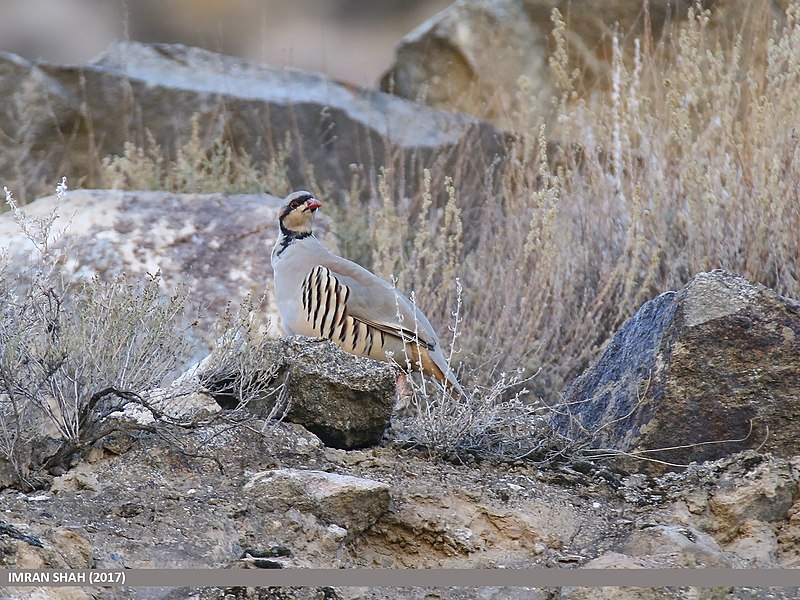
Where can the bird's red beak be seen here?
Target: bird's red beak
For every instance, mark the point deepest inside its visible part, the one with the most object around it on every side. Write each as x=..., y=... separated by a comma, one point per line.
x=313, y=204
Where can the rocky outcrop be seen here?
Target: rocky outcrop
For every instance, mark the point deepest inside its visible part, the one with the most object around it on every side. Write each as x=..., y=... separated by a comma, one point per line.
x=471, y=56
x=62, y=120
x=344, y=399
x=746, y=502
x=694, y=375
x=217, y=246
x=732, y=513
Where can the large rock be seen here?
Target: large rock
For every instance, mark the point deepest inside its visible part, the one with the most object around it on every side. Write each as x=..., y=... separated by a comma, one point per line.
x=765, y=493
x=470, y=56
x=217, y=246
x=61, y=120
x=694, y=375
x=745, y=501
x=344, y=399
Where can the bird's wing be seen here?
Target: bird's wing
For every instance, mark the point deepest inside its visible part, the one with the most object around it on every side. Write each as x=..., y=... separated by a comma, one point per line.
x=339, y=290
x=369, y=299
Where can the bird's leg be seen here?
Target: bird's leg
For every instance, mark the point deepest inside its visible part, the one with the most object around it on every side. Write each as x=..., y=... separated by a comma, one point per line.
x=402, y=394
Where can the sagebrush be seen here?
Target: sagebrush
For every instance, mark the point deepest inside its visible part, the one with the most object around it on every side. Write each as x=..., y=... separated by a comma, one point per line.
x=73, y=351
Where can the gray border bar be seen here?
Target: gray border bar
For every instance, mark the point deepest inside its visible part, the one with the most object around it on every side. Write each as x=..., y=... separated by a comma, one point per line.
x=462, y=578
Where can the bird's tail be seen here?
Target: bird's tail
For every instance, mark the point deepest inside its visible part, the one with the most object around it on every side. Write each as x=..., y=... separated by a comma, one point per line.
x=435, y=365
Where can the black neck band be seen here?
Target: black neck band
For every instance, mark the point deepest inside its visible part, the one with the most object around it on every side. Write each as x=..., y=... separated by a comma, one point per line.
x=290, y=236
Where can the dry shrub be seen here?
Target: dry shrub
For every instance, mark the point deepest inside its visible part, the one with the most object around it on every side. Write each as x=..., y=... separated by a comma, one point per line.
x=241, y=367
x=74, y=352
x=194, y=169
x=494, y=421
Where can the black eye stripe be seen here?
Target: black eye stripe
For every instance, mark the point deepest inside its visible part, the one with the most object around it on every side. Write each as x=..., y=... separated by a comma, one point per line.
x=295, y=203
x=301, y=200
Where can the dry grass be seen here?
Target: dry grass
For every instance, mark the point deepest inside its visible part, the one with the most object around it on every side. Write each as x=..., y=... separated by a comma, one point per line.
x=686, y=161
x=197, y=169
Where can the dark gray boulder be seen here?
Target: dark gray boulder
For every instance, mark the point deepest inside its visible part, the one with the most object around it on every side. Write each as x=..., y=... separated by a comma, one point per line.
x=62, y=119
x=694, y=375
x=344, y=399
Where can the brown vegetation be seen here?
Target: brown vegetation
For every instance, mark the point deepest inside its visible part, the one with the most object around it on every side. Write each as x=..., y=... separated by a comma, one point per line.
x=687, y=162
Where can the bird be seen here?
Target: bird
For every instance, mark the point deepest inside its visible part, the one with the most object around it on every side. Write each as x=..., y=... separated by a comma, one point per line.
x=320, y=294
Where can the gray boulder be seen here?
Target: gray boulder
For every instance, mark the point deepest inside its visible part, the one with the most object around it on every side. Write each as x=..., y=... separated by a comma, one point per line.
x=217, y=246
x=470, y=56
x=61, y=120
x=694, y=375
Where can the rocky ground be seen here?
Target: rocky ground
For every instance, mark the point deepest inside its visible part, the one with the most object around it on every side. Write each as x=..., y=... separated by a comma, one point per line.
x=248, y=494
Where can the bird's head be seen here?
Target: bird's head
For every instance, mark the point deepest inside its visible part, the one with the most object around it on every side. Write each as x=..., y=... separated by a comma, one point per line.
x=297, y=213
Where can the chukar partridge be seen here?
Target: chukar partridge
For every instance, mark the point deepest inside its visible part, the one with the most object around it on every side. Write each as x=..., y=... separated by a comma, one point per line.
x=323, y=295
